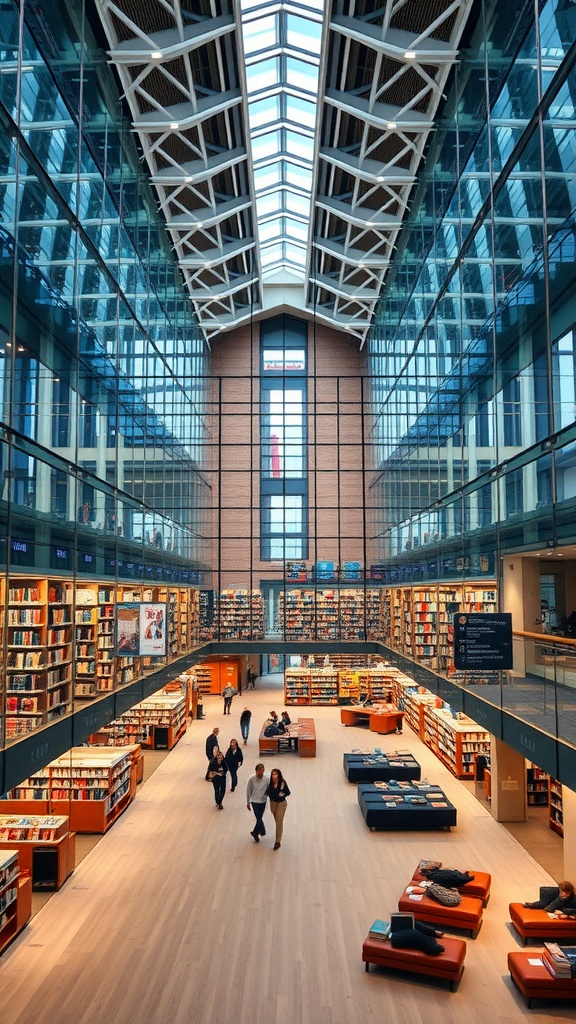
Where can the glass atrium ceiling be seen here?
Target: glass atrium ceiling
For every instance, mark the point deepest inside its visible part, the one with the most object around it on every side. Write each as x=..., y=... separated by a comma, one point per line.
x=282, y=44
x=283, y=139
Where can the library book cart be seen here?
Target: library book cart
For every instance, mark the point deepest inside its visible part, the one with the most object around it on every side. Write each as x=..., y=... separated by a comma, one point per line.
x=45, y=846
x=90, y=785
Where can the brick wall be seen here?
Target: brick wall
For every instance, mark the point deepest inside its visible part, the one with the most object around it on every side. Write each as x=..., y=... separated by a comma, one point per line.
x=335, y=459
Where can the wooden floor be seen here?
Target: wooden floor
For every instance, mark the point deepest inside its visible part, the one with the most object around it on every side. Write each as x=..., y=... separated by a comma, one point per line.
x=178, y=917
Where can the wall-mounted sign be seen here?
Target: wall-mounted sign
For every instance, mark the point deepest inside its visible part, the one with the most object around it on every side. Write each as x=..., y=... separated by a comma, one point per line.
x=483, y=641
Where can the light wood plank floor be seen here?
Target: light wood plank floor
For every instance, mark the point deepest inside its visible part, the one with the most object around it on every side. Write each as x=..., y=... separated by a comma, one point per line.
x=178, y=917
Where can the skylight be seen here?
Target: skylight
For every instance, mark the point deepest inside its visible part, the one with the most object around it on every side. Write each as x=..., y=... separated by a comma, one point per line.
x=282, y=41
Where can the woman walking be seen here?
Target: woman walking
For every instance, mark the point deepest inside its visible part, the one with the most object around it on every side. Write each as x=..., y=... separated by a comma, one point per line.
x=277, y=792
x=234, y=758
x=217, y=770
x=245, y=724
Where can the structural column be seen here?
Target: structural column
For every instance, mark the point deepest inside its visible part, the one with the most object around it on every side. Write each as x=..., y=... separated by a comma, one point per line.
x=508, y=772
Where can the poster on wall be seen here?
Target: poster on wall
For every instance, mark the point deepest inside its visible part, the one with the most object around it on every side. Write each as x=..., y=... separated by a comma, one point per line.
x=141, y=629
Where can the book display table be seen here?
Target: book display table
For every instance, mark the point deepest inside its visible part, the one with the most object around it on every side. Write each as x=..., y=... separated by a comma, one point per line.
x=534, y=980
x=405, y=806
x=381, y=767
x=299, y=737
x=448, y=965
x=380, y=718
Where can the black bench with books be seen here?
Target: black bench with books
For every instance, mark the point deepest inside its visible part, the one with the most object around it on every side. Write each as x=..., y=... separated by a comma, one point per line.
x=380, y=767
x=405, y=806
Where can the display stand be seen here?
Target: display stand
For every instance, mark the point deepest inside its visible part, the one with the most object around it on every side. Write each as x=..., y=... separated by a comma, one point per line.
x=35, y=836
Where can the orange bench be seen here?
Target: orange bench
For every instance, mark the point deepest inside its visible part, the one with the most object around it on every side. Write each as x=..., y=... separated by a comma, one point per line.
x=448, y=965
x=479, y=888
x=536, y=924
x=535, y=981
x=467, y=915
x=383, y=718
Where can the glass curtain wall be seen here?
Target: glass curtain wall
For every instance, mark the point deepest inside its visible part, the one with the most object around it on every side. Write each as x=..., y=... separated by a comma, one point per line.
x=472, y=355
x=102, y=367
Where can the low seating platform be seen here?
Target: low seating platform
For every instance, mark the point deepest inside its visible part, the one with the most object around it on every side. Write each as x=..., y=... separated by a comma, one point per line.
x=381, y=767
x=448, y=965
x=380, y=718
x=534, y=981
x=299, y=737
x=536, y=924
x=402, y=806
x=466, y=916
x=479, y=888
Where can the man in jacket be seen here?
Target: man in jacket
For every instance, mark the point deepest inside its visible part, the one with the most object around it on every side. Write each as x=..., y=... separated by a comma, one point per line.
x=211, y=747
x=256, y=800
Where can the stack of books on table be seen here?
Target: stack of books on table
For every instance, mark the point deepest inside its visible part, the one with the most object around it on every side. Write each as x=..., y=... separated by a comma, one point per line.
x=380, y=929
x=560, y=960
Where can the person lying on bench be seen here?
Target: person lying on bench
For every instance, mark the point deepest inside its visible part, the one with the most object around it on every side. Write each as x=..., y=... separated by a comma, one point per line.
x=563, y=905
x=449, y=877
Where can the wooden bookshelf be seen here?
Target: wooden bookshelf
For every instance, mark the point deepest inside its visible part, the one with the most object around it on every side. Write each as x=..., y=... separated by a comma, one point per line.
x=537, y=787
x=556, y=819
x=297, y=682
x=92, y=786
x=455, y=741
x=157, y=722
x=39, y=653
x=15, y=898
x=241, y=614
x=24, y=834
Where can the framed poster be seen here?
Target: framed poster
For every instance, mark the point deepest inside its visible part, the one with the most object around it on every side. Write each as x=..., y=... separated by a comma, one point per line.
x=141, y=629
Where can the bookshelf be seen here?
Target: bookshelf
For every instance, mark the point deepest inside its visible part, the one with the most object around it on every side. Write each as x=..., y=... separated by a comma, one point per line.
x=86, y=641
x=241, y=614
x=157, y=722
x=373, y=613
x=419, y=622
x=297, y=683
x=324, y=686
x=15, y=898
x=92, y=786
x=537, y=786
x=455, y=741
x=24, y=834
x=556, y=819
x=38, y=653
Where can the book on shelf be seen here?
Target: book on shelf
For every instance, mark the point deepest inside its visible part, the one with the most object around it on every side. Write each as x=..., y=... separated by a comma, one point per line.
x=380, y=929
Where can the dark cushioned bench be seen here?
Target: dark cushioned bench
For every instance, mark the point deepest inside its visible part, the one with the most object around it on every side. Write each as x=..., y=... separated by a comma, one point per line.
x=448, y=965
x=467, y=915
x=479, y=888
x=535, y=981
x=404, y=816
x=535, y=924
x=380, y=767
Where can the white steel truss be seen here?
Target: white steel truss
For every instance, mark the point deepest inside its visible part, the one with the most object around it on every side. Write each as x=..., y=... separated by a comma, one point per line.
x=214, y=88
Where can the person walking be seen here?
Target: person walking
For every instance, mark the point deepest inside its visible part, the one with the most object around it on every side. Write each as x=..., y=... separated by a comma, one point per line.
x=234, y=759
x=277, y=792
x=245, y=724
x=211, y=745
x=217, y=770
x=228, y=693
x=256, y=800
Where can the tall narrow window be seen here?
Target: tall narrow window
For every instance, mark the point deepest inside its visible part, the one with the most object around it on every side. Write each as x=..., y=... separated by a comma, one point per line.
x=283, y=449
